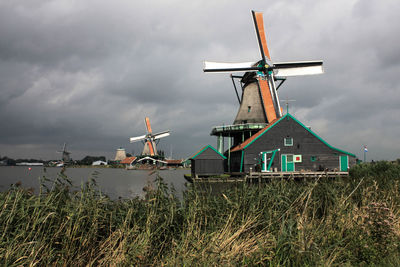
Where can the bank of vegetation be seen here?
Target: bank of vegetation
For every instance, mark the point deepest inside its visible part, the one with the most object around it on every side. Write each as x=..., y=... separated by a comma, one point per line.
x=337, y=222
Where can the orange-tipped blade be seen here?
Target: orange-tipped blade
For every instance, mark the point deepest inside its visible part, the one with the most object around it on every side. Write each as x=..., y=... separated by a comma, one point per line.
x=267, y=99
x=151, y=148
x=262, y=41
x=148, y=126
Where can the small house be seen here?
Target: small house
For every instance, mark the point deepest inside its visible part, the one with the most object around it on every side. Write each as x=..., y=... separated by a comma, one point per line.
x=287, y=145
x=207, y=162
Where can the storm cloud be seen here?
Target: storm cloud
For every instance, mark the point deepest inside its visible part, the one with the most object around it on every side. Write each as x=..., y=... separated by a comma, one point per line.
x=88, y=72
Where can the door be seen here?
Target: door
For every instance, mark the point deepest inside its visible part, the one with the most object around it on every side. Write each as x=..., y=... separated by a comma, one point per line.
x=287, y=161
x=344, y=163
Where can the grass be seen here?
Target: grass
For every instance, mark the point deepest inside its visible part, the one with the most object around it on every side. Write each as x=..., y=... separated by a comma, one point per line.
x=353, y=222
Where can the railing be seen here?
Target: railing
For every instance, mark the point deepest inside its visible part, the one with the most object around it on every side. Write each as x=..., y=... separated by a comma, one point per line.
x=239, y=127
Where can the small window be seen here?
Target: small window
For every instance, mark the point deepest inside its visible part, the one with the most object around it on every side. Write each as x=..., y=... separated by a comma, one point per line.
x=313, y=158
x=288, y=141
x=248, y=108
x=289, y=158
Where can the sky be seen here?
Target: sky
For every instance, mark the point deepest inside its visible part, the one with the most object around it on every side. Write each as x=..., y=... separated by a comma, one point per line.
x=88, y=72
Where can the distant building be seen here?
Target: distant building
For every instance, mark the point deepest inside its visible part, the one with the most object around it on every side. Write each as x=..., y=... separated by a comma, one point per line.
x=174, y=162
x=98, y=163
x=120, y=155
x=29, y=164
x=128, y=160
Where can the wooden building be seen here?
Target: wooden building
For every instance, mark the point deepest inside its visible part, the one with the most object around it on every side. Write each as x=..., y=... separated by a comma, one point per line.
x=207, y=162
x=287, y=145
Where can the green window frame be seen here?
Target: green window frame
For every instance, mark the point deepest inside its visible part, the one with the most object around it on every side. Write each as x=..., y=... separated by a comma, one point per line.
x=313, y=158
x=288, y=141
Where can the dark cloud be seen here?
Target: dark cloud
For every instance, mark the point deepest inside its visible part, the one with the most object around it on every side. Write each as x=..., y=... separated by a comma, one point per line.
x=88, y=72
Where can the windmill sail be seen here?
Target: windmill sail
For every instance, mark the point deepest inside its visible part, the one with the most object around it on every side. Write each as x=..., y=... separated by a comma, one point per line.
x=149, y=139
x=138, y=138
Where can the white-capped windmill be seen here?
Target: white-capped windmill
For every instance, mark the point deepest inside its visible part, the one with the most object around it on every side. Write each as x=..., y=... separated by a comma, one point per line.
x=65, y=154
x=259, y=102
x=149, y=139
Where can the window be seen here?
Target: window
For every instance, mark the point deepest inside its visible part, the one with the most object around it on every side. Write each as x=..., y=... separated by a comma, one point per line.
x=313, y=158
x=288, y=141
x=248, y=108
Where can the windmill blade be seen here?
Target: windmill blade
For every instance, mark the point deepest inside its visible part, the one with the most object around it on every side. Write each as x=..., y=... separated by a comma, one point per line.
x=262, y=41
x=161, y=135
x=267, y=99
x=148, y=126
x=230, y=67
x=285, y=69
x=151, y=148
x=138, y=138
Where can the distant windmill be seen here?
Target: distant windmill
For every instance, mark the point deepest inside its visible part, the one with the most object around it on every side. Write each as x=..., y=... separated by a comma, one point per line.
x=65, y=154
x=149, y=139
x=259, y=102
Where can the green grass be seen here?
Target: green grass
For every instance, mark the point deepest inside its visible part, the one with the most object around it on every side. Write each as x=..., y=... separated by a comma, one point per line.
x=353, y=222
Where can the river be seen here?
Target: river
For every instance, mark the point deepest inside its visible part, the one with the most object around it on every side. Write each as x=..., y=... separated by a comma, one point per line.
x=113, y=182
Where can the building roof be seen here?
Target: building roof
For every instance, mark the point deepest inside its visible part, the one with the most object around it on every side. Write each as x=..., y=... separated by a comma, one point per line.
x=253, y=138
x=128, y=160
x=204, y=149
x=174, y=161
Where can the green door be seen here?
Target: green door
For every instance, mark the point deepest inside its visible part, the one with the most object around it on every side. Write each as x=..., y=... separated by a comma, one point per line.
x=287, y=163
x=283, y=163
x=344, y=163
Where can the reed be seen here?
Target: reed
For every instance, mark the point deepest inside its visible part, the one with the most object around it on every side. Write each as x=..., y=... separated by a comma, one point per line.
x=354, y=221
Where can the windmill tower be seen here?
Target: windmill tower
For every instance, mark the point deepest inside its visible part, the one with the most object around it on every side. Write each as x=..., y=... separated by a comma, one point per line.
x=120, y=154
x=149, y=139
x=259, y=102
x=65, y=154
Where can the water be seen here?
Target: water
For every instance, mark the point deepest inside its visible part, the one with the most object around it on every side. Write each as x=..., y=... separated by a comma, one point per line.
x=113, y=182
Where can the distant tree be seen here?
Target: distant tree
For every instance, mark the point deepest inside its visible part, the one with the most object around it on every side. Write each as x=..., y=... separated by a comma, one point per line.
x=88, y=160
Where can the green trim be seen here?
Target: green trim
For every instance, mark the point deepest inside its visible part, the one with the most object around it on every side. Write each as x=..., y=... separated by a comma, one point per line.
x=208, y=146
x=305, y=127
x=241, y=162
x=319, y=138
x=272, y=159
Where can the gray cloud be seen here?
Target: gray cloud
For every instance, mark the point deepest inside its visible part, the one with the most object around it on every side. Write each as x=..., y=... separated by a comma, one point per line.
x=88, y=72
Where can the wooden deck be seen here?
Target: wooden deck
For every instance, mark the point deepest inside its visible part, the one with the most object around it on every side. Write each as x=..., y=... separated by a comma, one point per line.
x=258, y=177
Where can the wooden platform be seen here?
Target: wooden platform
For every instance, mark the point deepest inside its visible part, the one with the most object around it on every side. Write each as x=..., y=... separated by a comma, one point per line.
x=257, y=177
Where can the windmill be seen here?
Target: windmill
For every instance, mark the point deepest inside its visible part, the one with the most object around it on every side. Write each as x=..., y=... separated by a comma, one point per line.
x=261, y=76
x=65, y=154
x=149, y=139
x=259, y=102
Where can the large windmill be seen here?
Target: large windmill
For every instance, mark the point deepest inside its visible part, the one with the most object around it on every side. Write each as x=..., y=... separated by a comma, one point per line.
x=259, y=102
x=149, y=139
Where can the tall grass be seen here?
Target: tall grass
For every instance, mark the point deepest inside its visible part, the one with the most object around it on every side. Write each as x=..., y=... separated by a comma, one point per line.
x=352, y=221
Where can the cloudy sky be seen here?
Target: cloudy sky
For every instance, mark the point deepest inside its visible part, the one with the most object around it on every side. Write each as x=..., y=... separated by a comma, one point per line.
x=87, y=72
